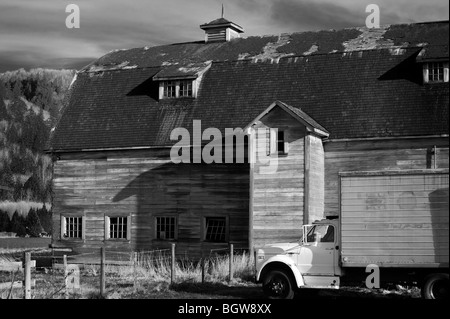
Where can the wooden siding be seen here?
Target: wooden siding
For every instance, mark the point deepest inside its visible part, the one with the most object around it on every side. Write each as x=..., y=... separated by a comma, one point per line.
x=389, y=219
x=278, y=197
x=316, y=178
x=146, y=184
x=367, y=155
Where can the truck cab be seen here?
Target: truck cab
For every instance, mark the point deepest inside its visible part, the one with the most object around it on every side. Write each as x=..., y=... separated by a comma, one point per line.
x=313, y=262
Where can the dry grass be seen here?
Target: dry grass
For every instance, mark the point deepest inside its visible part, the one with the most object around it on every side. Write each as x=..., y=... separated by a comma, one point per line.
x=148, y=276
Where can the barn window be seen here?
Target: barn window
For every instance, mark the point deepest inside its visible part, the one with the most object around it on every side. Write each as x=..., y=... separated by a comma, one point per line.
x=118, y=227
x=185, y=88
x=72, y=227
x=169, y=89
x=216, y=229
x=435, y=72
x=176, y=89
x=166, y=227
x=277, y=142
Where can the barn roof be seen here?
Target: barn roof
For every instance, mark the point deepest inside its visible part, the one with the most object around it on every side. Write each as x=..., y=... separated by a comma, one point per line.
x=354, y=82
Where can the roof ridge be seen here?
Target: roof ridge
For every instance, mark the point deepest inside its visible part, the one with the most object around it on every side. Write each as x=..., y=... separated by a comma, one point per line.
x=283, y=34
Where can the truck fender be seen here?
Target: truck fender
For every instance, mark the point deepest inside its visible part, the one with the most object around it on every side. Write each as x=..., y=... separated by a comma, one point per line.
x=283, y=260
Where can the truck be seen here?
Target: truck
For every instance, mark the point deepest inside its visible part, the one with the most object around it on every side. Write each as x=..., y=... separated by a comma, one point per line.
x=392, y=227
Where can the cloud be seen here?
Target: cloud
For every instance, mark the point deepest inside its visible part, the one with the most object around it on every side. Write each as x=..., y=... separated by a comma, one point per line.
x=34, y=32
x=309, y=15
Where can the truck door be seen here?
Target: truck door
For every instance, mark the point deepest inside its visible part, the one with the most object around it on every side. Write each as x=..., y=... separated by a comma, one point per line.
x=317, y=255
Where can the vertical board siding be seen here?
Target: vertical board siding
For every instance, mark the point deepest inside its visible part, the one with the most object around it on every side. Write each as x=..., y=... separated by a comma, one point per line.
x=278, y=197
x=143, y=187
x=395, y=219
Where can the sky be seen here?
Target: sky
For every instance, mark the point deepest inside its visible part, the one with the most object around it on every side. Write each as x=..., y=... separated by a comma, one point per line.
x=34, y=33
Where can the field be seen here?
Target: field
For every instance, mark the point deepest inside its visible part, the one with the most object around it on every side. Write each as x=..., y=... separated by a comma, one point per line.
x=12, y=244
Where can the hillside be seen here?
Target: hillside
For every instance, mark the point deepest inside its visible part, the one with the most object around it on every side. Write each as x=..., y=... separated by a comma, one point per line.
x=30, y=106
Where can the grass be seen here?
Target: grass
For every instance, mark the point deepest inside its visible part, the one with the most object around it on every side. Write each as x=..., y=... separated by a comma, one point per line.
x=149, y=277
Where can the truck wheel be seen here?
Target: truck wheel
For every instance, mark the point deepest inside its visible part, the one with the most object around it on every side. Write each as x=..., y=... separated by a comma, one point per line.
x=436, y=286
x=277, y=285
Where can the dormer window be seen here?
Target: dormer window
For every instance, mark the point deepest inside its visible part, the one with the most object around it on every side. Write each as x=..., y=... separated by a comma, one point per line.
x=186, y=88
x=180, y=80
x=170, y=89
x=435, y=72
x=177, y=89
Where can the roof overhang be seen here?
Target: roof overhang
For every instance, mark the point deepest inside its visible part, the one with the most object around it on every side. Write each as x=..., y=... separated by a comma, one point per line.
x=182, y=71
x=221, y=24
x=311, y=125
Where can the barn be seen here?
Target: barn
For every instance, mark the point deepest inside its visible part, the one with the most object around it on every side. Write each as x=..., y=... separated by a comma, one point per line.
x=241, y=140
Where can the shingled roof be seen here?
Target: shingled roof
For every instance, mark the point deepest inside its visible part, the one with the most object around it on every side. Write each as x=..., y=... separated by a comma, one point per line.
x=355, y=82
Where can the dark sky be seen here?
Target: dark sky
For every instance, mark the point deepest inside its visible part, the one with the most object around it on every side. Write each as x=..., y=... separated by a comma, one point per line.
x=34, y=34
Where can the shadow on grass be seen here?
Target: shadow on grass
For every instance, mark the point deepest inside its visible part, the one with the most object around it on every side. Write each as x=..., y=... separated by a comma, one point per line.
x=239, y=291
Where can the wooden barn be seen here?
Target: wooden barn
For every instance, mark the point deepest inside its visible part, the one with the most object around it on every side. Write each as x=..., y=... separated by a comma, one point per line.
x=308, y=105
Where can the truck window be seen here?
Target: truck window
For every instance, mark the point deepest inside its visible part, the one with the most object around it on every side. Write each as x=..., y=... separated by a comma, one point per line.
x=323, y=232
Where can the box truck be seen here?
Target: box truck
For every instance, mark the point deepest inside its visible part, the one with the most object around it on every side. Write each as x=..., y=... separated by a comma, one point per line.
x=392, y=226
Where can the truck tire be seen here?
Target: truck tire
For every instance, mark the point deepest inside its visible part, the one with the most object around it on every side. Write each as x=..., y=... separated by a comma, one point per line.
x=436, y=286
x=278, y=285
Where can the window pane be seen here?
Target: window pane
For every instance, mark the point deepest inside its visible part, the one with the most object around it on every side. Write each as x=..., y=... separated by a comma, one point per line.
x=215, y=229
x=435, y=72
x=322, y=233
x=169, y=88
x=186, y=88
x=74, y=227
x=118, y=227
x=165, y=227
x=280, y=141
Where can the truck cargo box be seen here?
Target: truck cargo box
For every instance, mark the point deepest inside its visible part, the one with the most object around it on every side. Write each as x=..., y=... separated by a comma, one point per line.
x=395, y=218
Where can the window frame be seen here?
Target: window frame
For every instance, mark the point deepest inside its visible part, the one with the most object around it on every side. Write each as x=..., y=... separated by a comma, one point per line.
x=173, y=89
x=188, y=88
x=175, y=235
x=428, y=66
x=274, y=142
x=313, y=231
x=63, y=225
x=205, y=230
x=179, y=92
x=108, y=227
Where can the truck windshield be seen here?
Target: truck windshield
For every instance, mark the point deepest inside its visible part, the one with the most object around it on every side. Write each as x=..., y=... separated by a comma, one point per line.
x=321, y=233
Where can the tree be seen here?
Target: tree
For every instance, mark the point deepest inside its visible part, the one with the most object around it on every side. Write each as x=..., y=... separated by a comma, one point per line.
x=4, y=221
x=45, y=218
x=18, y=225
x=33, y=224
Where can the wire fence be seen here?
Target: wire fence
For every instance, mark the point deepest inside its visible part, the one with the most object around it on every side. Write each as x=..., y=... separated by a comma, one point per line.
x=97, y=274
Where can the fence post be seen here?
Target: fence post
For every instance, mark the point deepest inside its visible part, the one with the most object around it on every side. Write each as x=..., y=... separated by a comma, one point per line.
x=66, y=291
x=231, y=262
x=102, y=272
x=134, y=256
x=172, y=271
x=203, y=269
x=254, y=263
x=27, y=274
